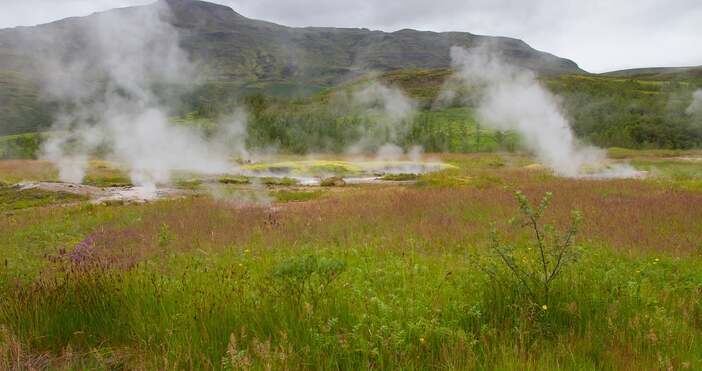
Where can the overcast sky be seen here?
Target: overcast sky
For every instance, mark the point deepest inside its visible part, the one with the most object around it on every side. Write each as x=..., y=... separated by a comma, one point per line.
x=600, y=35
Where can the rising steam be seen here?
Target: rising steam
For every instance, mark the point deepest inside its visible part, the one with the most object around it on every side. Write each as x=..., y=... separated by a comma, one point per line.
x=511, y=98
x=116, y=95
x=391, y=113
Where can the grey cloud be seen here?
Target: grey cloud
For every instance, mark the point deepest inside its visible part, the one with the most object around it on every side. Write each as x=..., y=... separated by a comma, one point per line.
x=32, y=12
x=600, y=35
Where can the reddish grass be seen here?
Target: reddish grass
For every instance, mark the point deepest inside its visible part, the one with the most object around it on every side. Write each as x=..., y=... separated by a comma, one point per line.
x=12, y=171
x=627, y=215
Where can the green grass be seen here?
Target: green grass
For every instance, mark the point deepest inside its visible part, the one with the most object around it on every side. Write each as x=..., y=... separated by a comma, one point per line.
x=21, y=110
x=624, y=153
x=400, y=177
x=234, y=180
x=107, y=181
x=306, y=167
x=21, y=146
x=379, y=309
x=275, y=181
x=678, y=173
x=296, y=196
x=190, y=184
x=377, y=277
x=12, y=198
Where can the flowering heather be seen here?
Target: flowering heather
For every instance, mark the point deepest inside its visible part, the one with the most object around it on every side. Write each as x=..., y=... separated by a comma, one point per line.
x=83, y=252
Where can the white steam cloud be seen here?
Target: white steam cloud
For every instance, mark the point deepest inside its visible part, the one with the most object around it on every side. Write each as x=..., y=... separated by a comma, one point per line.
x=511, y=98
x=116, y=94
x=391, y=112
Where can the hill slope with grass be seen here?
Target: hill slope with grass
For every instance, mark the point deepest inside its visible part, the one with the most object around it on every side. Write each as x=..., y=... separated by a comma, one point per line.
x=605, y=111
x=659, y=73
x=246, y=55
x=291, y=72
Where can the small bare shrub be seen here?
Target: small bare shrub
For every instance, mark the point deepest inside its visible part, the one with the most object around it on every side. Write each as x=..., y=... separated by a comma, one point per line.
x=534, y=266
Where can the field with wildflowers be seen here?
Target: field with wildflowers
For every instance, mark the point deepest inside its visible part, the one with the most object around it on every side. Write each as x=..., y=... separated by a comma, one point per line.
x=359, y=277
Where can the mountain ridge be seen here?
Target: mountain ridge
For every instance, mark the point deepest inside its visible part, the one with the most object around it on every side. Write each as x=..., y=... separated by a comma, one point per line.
x=245, y=54
x=657, y=73
x=208, y=23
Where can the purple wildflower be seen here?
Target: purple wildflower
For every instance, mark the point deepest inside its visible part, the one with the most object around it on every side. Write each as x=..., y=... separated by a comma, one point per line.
x=83, y=251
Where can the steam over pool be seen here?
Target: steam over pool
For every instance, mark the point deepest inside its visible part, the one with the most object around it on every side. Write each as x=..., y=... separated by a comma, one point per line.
x=512, y=98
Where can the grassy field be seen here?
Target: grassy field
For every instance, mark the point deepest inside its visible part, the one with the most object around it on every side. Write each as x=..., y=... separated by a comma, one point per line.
x=356, y=277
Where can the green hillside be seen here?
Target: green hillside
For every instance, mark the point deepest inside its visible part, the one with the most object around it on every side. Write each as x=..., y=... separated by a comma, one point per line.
x=241, y=56
x=21, y=110
x=609, y=112
x=286, y=75
x=660, y=73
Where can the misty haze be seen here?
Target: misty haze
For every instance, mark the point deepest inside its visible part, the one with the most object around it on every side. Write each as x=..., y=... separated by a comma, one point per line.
x=448, y=186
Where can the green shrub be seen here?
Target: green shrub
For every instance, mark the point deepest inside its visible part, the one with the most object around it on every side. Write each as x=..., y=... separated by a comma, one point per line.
x=234, y=180
x=531, y=268
x=24, y=146
x=335, y=181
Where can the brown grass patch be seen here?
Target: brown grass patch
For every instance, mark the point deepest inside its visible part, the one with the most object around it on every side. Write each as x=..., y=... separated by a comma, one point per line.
x=13, y=171
x=624, y=214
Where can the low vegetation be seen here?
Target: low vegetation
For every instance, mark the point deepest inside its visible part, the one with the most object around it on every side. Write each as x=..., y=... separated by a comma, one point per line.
x=400, y=177
x=360, y=277
x=296, y=196
x=23, y=146
x=14, y=198
x=483, y=259
x=608, y=111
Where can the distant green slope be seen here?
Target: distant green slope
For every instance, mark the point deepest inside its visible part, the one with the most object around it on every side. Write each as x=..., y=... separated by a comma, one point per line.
x=659, y=73
x=606, y=111
x=23, y=146
x=21, y=110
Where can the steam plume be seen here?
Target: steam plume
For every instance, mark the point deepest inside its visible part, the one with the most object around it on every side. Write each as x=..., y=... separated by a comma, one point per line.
x=391, y=113
x=511, y=98
x=116, y=95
